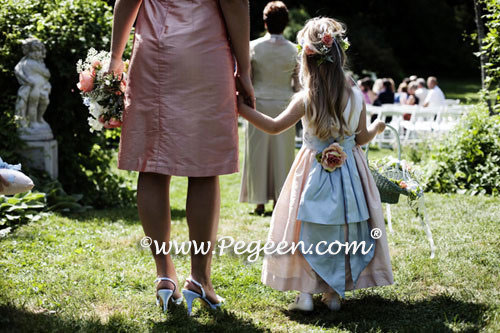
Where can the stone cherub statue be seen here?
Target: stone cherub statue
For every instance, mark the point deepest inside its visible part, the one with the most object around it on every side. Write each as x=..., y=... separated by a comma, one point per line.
x=33, y=95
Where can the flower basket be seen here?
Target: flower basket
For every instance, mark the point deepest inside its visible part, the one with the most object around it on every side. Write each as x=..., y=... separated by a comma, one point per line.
x=390, y=177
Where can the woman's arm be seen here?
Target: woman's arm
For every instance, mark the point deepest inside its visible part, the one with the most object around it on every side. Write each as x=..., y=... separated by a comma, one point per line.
x=284, y=121
x=365, y=135
x=124, y=15
x=236, y=15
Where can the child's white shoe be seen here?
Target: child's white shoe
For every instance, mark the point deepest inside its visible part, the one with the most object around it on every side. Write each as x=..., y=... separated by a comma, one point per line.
x=332, y=300
x=303, y=302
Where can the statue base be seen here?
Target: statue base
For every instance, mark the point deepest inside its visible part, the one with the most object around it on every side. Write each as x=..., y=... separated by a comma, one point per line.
x=42, y=155
x=36, y=132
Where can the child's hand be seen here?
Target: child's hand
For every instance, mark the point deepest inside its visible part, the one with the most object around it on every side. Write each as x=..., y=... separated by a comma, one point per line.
x=241, y=103
x=380, y=126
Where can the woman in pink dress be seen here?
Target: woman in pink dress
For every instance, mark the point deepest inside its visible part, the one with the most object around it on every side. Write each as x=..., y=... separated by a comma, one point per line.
x=180, y=118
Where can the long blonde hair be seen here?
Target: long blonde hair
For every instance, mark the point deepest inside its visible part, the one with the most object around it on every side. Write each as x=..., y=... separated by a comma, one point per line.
x=324, y=84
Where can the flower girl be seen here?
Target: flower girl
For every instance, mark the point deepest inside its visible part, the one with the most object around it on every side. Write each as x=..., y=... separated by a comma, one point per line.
x=329, y=197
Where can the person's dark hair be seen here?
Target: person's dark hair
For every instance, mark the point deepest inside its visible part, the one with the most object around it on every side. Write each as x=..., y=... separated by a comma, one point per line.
x=367, y=83
x=276, y=17
x=388, y=85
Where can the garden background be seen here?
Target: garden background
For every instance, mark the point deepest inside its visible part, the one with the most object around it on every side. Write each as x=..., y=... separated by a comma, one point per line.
x=70, y=257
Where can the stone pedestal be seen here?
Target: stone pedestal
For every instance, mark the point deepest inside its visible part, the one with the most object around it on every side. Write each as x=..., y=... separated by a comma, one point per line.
x=42, y=155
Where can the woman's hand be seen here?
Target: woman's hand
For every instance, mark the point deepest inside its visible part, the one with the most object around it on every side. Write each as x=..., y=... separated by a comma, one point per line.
x=3, y=182
x=245, y=89
x=116, y=66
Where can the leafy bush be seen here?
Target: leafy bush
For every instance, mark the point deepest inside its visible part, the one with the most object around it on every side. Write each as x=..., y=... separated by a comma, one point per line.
x=297, y=19
x=20, y=208
x=491, y=48
x=68, y=28
x=468, y=160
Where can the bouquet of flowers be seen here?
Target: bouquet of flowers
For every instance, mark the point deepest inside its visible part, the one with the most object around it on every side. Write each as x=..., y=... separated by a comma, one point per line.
x=102, y=92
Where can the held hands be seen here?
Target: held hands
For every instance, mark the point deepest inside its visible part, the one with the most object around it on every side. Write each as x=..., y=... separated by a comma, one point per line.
x=245, y=89
x=242, y=104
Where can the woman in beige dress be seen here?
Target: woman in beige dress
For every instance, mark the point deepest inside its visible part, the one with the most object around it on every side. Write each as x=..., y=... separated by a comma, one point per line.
x=269, y=158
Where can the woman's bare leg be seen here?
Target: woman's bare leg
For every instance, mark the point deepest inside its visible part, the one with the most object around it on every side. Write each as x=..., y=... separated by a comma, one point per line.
x=153, y=203
x=202, y=213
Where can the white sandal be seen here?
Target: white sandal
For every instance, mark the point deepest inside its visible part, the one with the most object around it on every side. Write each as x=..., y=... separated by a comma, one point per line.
x=192, y=295
x=164, y=295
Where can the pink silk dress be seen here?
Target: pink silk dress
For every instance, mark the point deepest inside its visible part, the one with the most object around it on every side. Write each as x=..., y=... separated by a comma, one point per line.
x=180, y=113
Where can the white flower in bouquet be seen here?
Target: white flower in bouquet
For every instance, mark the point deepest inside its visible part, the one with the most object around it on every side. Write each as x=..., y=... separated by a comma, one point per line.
x=102, y=92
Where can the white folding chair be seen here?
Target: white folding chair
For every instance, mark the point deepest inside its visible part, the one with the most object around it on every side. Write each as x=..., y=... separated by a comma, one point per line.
x=447, y=118
x=389, y=110
x=450, y=102
x=421, y=125
x=371, y=110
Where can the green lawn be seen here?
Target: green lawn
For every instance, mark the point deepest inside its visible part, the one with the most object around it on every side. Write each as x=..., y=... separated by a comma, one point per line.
x=89, y=273
x=465, y=90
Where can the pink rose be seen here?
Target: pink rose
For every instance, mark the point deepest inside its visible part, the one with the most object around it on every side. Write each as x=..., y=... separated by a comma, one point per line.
x=86, y=83
x=332, y=157
x=96, y=64
x=112, y=123
x=327, y=40
x=308, y=50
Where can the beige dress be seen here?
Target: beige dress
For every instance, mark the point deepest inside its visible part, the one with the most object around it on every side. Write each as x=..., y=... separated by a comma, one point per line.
x=268, y=158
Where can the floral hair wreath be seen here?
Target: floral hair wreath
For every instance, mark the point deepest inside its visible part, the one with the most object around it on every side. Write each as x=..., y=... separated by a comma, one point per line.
x=324, y=48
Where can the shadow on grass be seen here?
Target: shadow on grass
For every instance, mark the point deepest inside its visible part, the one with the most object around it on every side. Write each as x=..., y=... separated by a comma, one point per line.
x=204, y=320
x=14, y=319
x=127, y=215
x=375, y=313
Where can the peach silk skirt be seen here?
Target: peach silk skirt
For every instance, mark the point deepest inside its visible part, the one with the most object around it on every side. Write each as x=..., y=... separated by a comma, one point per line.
x=292, y=272
x=180, y=103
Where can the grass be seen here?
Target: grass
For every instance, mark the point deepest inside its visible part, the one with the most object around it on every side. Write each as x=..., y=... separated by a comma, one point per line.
x=465, y=90
x=89, y=273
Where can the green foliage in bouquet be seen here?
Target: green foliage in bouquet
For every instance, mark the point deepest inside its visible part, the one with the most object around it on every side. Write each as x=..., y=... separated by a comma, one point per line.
x=68, y=28
x=468, y=159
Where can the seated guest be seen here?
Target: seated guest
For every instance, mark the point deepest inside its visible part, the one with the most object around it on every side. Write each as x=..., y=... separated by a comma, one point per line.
x=378, y=86
x=366, y=88
x=412, y=98
x=386, y=96
x=435, y=97
x=421, y=92
x=393, y=84
x=402, y=94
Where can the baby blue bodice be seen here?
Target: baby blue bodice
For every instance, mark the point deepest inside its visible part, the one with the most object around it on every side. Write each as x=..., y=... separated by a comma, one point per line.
x=332, y=197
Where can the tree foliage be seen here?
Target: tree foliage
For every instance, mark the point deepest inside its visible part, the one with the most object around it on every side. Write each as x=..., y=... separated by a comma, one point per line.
x=68, y=28
x=490, y=48
x=394, y=38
